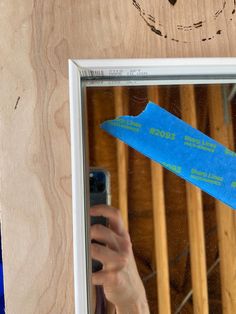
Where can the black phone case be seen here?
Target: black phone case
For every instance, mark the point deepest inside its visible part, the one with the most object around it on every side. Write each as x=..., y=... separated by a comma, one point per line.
x=98, y=197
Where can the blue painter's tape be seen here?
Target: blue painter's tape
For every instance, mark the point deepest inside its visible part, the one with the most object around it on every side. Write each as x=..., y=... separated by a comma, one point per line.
x=177, y=146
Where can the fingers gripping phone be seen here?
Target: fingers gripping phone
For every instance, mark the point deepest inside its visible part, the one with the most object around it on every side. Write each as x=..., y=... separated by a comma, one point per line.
x=99, y=181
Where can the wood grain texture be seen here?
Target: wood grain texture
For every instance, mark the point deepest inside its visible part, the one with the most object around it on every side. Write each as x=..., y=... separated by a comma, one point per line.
x=195, y=216
x=35, y=161
x=38, y=37
x=222, y=131
x=105, y=33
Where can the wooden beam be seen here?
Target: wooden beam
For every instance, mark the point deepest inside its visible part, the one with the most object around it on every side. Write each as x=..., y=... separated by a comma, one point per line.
x=195, y=216
x=121, y=103
x=159, y=220
x=221, y=131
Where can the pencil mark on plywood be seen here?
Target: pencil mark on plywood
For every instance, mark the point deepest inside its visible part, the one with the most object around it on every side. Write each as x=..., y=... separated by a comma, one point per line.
x=17, y=102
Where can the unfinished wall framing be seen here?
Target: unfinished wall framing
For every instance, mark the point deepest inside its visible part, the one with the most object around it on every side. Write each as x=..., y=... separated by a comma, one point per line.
x=182, y=252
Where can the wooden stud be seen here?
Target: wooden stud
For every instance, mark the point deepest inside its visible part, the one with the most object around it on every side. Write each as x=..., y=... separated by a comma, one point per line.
x=195, y=216
x=122, y=155
x=222, y=132
x=160, y=234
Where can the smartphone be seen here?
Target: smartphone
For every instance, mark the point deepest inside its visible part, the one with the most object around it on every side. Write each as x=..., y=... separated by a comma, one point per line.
x=99, y=182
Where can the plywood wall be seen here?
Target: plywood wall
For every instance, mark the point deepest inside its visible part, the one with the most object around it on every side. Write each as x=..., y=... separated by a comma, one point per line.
x=37, y=38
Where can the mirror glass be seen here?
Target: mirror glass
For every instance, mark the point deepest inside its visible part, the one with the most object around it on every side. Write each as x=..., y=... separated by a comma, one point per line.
x=124, y=178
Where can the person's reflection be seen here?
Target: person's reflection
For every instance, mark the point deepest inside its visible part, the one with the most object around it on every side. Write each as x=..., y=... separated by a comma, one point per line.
x=117, y=288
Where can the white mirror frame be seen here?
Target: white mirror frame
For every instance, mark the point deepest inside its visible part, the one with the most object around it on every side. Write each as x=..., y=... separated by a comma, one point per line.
x=115, y=72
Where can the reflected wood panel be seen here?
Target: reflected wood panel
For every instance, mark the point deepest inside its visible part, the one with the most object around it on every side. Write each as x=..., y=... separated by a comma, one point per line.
x=159, y=223
x=121, y=108
x=195, y=216
x=222, y=131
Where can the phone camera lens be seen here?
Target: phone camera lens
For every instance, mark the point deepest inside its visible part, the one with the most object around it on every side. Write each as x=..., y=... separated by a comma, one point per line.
x=92, y=184
x=101, y=187
x=97, y=181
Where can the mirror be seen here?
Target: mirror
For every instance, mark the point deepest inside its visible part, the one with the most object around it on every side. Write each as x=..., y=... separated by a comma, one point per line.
x=174, y=226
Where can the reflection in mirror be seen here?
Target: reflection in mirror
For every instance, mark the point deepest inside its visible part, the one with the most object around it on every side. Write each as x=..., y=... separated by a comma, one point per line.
x=174, y=227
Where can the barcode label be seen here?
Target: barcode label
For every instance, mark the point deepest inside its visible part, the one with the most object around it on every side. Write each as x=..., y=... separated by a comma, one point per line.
x=92, y=73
